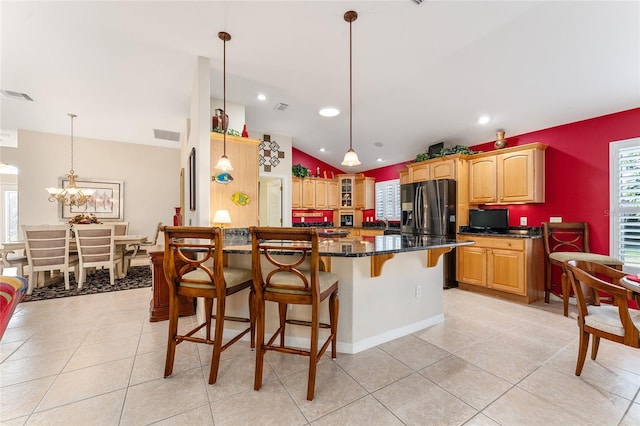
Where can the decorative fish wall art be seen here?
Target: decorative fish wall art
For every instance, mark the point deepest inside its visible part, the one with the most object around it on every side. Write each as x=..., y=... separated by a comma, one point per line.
x=222, y=178
x=240, y=199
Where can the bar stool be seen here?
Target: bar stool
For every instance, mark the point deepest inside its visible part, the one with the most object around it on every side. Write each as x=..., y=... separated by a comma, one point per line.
x=193, y=267
x=285, y=283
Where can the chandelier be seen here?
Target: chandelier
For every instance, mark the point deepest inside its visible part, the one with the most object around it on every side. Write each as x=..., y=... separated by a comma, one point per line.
x=71, y=195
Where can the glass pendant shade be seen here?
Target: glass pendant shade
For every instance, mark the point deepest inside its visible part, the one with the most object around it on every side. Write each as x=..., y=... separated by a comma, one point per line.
x=351, y=158
x=224, y=164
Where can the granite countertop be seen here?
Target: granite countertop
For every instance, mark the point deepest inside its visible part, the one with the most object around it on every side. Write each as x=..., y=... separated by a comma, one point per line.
x=360, y=246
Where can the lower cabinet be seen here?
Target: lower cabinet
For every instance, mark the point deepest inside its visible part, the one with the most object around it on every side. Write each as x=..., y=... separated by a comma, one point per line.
x=503, y=266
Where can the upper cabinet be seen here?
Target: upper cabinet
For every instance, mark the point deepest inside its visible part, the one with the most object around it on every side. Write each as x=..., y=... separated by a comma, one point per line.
x=296, y=192
x=512, y=175
x=346, y=188
x=365, y=193
x=332, y=194
x=314, y=193
x=356, y=192
x=447, y=167
x=239, y=197
x=403, y=175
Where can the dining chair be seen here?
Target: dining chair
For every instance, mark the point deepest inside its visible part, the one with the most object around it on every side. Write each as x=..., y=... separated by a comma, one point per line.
x=193, y=267
x=96, y=249
x=612, y=322
x=566, y=241
x=120, y=228
x=47, y=249
x=295, y=279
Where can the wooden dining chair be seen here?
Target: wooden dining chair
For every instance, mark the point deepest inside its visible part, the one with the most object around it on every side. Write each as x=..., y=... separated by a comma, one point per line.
x=612, y=322
x=47, y=249
x=96, y=249
x=566, y=241
x=193, y=267
x=292, y=280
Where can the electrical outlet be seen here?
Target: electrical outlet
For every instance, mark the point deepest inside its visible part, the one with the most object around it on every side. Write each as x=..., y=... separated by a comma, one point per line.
x=418, y=291
x=302, y=219
x=523, y=221
x=555, y=219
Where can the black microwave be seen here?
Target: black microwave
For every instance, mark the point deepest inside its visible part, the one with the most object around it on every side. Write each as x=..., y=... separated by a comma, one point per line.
x=346, y=220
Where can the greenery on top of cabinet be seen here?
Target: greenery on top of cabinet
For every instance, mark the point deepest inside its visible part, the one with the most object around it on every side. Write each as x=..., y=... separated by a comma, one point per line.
x=298, y=170
x=456, y=149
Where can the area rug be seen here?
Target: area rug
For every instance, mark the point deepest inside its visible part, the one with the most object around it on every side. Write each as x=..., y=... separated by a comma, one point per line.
x=137, y=277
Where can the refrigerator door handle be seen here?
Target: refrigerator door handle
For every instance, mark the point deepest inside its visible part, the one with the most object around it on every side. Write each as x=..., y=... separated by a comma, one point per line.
x=419, y=208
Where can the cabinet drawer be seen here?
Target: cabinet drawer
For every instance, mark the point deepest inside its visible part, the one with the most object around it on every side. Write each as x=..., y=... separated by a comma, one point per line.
x=497, y=243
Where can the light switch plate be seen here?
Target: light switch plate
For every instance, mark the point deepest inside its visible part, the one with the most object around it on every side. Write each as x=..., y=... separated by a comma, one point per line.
x=523, y=221
x=555, y=219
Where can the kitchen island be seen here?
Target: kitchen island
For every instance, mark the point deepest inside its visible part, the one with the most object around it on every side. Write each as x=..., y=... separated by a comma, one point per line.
x=389, y=286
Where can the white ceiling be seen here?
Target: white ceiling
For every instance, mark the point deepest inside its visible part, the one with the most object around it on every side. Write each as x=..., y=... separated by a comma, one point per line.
x=421, y=73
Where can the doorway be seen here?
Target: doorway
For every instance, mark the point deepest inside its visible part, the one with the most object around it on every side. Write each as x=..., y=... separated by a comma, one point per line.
x=270, y=194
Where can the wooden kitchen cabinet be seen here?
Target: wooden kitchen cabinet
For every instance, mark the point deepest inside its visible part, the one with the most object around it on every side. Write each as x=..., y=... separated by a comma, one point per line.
x=321, y=193
x=514, y=175
x=332, y=194
x=502, y=266
x=448, y=167
x=346, y=187
x=308, y=193
x=296, y=193
x=403, y=175
x=365, y=193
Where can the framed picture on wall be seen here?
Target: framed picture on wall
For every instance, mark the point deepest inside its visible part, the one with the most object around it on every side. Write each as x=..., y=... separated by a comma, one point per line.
x=108, y=199
x=192, y=179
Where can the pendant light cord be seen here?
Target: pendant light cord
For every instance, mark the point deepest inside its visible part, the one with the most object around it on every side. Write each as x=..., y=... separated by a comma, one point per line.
x=224, y=97
x=72, y=117
x=350, y=89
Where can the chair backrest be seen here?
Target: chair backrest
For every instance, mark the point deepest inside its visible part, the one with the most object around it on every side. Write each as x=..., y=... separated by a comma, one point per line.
x=95, y=244
x=46, y=245
x=196, y=251
x=587, y=280
x=286, y=277
x=157, y=234
x=120, y=228
x=565, y=236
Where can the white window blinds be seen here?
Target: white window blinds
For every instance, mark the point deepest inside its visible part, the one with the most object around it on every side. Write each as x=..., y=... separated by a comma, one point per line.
x=388, y=199
x=625, y=203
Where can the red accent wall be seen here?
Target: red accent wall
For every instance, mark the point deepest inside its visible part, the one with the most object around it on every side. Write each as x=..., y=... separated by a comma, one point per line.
x=577, y=172
x=299, y=157
x=325, y=214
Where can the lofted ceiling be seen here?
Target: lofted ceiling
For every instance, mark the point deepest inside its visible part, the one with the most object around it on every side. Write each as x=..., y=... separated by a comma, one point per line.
x=421, y=73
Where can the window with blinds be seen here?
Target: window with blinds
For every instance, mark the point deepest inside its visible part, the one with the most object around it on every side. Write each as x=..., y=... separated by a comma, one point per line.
x=388, y=199
x=625, y=203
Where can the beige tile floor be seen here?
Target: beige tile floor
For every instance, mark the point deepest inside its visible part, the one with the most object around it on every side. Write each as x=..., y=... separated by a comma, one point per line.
x=98, y=360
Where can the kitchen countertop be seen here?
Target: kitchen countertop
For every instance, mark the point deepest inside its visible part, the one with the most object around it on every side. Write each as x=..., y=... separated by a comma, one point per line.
x=513, y=232
x=361, y=246
x=490, y=234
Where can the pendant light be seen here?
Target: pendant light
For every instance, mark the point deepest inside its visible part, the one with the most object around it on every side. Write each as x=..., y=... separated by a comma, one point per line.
x=350, y=158
x=223, y=163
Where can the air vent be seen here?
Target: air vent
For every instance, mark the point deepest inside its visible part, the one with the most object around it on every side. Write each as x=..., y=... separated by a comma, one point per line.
x=281, y=107
x=16, y=95
x=166, y=135
x=417, y=1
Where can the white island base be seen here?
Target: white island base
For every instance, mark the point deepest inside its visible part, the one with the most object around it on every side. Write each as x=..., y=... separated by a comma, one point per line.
x=405, y=298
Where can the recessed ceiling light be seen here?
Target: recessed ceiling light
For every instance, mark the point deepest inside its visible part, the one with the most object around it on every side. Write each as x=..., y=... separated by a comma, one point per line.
x=379, y=160
x=322, y=150
x=484, y=119
x=329, y=111
x=262, y=97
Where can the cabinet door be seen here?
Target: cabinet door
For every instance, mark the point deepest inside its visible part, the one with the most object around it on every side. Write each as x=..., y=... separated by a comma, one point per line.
x=296, y=193
x=482, y=180
x=308, y=193
x=443, y=170
x=472, y=265
x=519, y=177
x=506, y=270
x=346, y=192
x=403, y=175
x=321, y=193
x=419, y=172
x=332, y=194
x=359, y=194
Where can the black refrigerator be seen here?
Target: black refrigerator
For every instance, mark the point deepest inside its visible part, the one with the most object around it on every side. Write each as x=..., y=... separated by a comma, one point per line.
x=429, y=208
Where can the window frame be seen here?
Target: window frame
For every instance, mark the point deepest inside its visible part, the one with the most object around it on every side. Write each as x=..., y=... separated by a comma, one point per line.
x=382, y=187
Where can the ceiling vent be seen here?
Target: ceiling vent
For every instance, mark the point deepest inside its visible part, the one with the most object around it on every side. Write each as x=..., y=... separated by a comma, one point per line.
x=417, y=1
x=281, y=107
x=16, y=95
x=166, y=135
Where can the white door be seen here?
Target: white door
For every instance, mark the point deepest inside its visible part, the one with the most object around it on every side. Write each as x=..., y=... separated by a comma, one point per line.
x=274, y=203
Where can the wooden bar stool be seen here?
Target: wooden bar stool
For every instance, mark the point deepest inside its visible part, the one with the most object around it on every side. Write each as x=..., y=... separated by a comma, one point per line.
x=287, y=283
x=193, y=267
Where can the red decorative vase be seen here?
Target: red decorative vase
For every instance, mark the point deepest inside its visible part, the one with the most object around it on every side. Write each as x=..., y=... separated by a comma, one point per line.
x=177, y=218
x=245, y=134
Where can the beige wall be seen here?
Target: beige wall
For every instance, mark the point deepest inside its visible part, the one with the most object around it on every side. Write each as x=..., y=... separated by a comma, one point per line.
x=150, y=175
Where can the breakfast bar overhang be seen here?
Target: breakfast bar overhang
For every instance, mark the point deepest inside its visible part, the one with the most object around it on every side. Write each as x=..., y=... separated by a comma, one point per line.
x=389, y=286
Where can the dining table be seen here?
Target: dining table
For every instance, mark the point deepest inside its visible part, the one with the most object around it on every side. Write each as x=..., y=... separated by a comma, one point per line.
x=633, y=286
x=121, y=242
